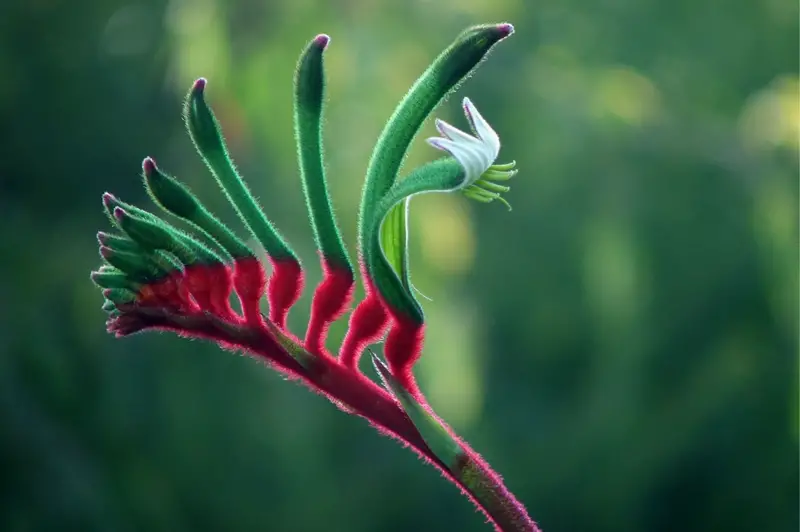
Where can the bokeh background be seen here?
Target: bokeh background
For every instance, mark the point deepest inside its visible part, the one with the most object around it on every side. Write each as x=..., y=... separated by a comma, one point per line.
x=621, y=347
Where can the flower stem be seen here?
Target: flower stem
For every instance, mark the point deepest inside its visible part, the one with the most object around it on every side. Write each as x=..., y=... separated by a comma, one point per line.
x=354, y=393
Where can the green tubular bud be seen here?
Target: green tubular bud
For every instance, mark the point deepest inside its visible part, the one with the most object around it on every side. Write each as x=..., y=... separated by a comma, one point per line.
x=176, y=198
x=203, y=253
x=171, y=195
x=207, y=137
x=139, y=268
x=165, y=260
x=309, y=93
x=109, y=306
x=111, y=202
x=441, y=77
x=153, y=236
x=119, y=296
x=118, y=243
x=112, y=279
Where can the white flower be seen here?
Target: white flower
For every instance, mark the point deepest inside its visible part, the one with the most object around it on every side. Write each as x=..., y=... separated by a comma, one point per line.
x=476, y=154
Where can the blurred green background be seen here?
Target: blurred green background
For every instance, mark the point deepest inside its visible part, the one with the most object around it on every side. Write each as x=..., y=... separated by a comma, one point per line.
x=621, y=347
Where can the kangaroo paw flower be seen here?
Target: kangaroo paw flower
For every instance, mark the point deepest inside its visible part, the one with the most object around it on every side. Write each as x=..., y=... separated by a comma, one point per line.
x=333, y=295
x=476, y=154
x=154, y=276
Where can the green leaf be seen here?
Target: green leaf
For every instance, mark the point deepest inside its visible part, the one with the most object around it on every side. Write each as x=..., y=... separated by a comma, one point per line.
x=394, y=241
x=385, y=254
x=436, y=437
x=295, y=350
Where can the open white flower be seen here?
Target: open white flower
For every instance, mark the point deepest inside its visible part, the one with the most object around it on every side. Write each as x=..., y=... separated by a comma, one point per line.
x=476, y=154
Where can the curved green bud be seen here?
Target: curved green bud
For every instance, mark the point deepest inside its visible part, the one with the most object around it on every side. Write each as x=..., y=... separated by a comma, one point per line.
x=207, y=137
x=203, y=253
x=112, y=279
x=165, y=260
x=118, y=242
x=441, y=77
x=111, y=202
x=176, y=198
x=152, y=236
x=309, y=93
x=119, y=296
x=138, y=268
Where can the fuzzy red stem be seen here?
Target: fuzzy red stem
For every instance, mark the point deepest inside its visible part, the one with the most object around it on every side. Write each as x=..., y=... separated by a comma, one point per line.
x=367, y=323
x=372, y=402
x=347, y=387
x=283, y=289
x=249, y=281
x=221, y=284
x=331, y=299
x=402, y=349
x=197, y=284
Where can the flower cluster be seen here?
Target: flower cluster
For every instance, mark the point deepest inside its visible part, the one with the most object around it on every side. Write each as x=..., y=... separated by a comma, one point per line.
x=156, y=276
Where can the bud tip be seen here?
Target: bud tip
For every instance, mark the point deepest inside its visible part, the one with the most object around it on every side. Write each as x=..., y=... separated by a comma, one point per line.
x=119, y=214
x=101, y=238
x=322, y=41
x=109, y=199
x=148, y=165
x=105, y=252
x=109, y=293
x=199, y=86
x=505, y=28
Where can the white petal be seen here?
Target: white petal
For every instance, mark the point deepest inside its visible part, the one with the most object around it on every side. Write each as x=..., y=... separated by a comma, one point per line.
x=472, y=156
x=482, y=127
x=453, y=133
x=475, y=154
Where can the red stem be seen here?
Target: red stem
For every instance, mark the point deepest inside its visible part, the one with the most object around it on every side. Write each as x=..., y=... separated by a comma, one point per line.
x=355, y=393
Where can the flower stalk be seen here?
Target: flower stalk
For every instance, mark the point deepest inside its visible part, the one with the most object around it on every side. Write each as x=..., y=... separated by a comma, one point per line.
x=157, y=277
